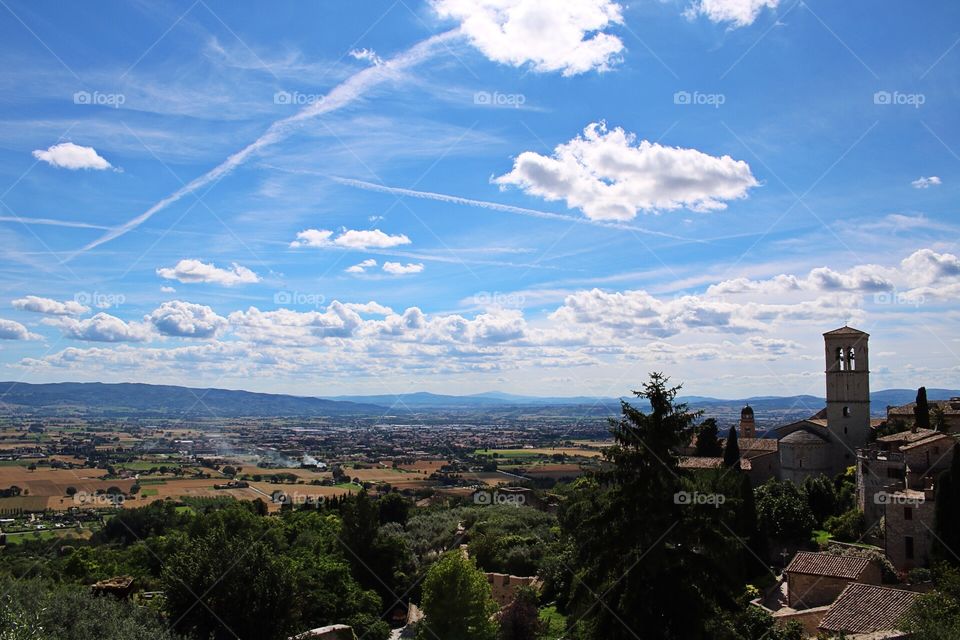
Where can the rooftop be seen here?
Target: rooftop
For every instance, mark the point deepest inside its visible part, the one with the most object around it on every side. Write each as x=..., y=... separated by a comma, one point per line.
x=828, y=565
x=865, y=608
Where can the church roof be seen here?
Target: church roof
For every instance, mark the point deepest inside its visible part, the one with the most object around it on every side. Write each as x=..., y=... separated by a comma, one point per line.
x=846, y=331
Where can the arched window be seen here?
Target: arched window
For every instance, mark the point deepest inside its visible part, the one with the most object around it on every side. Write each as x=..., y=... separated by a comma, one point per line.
x=851, y=359
x=846, y=412
x=841, y=360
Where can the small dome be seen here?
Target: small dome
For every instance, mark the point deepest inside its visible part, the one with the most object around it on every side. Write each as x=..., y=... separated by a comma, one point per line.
x=802, y=436
x=746, y=412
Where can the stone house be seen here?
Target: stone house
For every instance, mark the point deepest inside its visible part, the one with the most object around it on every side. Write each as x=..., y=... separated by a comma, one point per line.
x=504, y=587
x=950, y=408
x=909, y=517
x=816, y=579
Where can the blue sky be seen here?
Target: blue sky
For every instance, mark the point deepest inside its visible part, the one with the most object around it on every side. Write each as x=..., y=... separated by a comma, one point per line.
x=456, y=196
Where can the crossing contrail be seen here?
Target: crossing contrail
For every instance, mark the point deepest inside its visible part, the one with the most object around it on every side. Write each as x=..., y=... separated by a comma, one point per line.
x=340, y=96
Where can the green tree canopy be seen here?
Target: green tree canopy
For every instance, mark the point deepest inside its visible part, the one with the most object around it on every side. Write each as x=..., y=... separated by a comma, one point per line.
x=456, y=601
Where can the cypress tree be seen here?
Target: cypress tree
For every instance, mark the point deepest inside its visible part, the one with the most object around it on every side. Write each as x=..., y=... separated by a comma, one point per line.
x=946, y=522
x=731, y=452
x=921, y=412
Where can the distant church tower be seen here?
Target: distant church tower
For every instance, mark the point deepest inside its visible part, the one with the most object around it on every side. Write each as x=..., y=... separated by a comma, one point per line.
x=748, y=428
x=848, y=393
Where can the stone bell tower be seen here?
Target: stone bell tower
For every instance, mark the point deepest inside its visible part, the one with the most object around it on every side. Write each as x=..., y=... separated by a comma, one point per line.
x=848, y=393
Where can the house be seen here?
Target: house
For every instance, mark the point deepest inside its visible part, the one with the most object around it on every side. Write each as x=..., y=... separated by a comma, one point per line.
x=504, y=587
x=868, y=609
x=950, y=409
x=331, y=632
x=816, y=579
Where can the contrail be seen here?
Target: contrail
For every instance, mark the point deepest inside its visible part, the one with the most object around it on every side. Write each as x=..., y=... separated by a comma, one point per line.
x=496, y=206
x=340, y=96
x=53, y=223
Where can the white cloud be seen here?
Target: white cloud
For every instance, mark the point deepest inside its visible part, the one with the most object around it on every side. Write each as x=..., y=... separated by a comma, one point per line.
x=102, y=327
x=37, y=304
x=608, y=176
x=740, y=12
x=925, y=183
x=197, y=271
x=186, y=320
x=166, y=289
x=398, y=269
x=565, y=36
x=11, y=330
x=360, y=239
x=362, y=266
x=67, y=155
x=369, y=55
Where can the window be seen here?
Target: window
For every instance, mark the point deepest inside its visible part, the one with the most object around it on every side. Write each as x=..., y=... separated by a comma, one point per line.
x=841, y=361
x=908, y=547
x=907, y=513
x=846, y=412
x=851, y=359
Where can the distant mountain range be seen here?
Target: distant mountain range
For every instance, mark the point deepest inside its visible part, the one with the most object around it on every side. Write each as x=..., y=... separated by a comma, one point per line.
x=147, y=400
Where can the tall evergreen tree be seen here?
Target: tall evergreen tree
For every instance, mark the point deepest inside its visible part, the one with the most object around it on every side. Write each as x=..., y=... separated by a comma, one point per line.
x=731, y=452
x=637, y=536
x=921, y=411
x=708, y=440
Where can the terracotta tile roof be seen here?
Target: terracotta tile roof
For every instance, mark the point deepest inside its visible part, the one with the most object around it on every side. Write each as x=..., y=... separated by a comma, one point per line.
x=846, y=331
x=865, y=608
x=907, y=436
x=694, y=462
x=758, y=444
x=828, y=565
x=950, y=407
x=936, y=437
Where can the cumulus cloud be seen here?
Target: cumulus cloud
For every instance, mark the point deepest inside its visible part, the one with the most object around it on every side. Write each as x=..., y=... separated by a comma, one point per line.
x=740, y=13
x=608, y=176
x=360, y=239
x=67, y=155
x=166, y=289
x=37, y=304
x=398, y=269
x=186, y=320
x=12, y=330
x=922, y=268
x=567, y=36
x=103, y=327
x=362, y=266
x=189, y=271
x=925, y=183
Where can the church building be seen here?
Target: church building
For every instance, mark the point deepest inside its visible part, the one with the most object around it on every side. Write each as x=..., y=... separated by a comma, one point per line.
x=827, y=442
